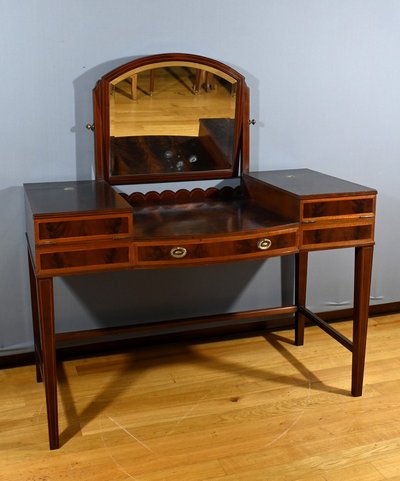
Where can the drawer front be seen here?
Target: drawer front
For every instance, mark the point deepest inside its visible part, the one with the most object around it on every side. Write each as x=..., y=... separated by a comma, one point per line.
x=217, y=250
x=75, y=259
x=336, y=222
x=348, y=207
x=325, y=235
x=59, y=230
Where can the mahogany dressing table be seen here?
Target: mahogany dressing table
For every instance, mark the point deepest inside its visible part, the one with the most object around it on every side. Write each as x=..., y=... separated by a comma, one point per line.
x=180, y=118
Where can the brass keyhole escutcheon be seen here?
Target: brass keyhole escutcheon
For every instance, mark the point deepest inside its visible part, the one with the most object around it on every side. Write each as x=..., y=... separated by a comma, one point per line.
x=178, y=252
x=264, y=244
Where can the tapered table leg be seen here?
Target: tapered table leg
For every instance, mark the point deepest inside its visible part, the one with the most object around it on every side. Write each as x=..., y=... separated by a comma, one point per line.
x=35, y=318
x=47, y=334
x=301, y=264
x=362, y=283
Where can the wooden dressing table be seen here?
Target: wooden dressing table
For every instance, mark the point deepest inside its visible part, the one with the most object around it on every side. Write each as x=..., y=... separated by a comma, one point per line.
x=180, y=131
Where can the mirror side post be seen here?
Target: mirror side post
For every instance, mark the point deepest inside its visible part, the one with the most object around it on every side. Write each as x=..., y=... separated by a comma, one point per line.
x=99, y=151
x=245, y=147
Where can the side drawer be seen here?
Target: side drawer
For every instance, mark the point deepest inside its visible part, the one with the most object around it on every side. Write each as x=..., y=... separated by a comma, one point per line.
x=337, y=222
x=58, y=230
x=325, y=235
x=338, y=208
x=61, y=260
x=181, y=252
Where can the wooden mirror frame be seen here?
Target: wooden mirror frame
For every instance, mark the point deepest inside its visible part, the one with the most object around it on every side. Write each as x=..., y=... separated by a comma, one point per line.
x=101, y=106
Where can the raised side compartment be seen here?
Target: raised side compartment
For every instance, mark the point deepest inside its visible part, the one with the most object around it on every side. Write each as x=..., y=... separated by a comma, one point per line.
x=337, y=222
x=333, y=213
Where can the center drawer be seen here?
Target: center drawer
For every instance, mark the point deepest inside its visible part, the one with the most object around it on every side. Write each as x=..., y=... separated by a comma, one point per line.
x=183, y=252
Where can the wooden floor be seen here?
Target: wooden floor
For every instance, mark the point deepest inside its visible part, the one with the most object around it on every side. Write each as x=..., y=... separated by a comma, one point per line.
x=173, y=109
x=255, y=409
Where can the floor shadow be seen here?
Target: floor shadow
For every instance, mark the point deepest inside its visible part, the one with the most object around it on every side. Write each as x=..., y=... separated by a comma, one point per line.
x=75, y=420
x=140, y=362
x=277, y=342
x=311, y=381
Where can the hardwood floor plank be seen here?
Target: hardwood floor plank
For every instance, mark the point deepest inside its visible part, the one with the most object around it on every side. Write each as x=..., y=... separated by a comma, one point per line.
x=235, y=410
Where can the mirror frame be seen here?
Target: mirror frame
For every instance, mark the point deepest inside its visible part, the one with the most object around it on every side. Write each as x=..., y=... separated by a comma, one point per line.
x=101, y=107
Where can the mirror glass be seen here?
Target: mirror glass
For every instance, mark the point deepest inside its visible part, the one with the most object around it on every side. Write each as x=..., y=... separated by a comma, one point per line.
x=171, y=118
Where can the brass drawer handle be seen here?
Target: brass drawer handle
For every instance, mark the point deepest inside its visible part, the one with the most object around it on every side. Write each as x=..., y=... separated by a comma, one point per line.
x=264, y=244
x=178, y=252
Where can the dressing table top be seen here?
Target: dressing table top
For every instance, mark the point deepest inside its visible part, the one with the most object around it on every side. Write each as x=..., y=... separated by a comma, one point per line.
x=308, y=183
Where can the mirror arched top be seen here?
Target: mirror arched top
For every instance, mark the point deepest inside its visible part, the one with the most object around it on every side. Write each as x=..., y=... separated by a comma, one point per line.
x=170, y=117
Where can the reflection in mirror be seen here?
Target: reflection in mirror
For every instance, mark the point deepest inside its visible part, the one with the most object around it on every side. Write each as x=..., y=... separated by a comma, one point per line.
x=171, y=118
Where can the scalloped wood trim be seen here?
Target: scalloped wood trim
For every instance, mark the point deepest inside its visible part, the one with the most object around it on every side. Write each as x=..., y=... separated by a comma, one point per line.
x=183, y=196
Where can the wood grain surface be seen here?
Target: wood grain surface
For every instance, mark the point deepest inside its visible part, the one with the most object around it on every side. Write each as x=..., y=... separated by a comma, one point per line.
x=250, y=409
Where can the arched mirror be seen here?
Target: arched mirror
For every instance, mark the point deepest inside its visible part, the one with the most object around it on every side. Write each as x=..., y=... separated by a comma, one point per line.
x=169, y=117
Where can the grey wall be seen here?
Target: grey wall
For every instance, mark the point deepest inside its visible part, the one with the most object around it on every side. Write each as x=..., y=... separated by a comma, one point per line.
x=324, y=77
